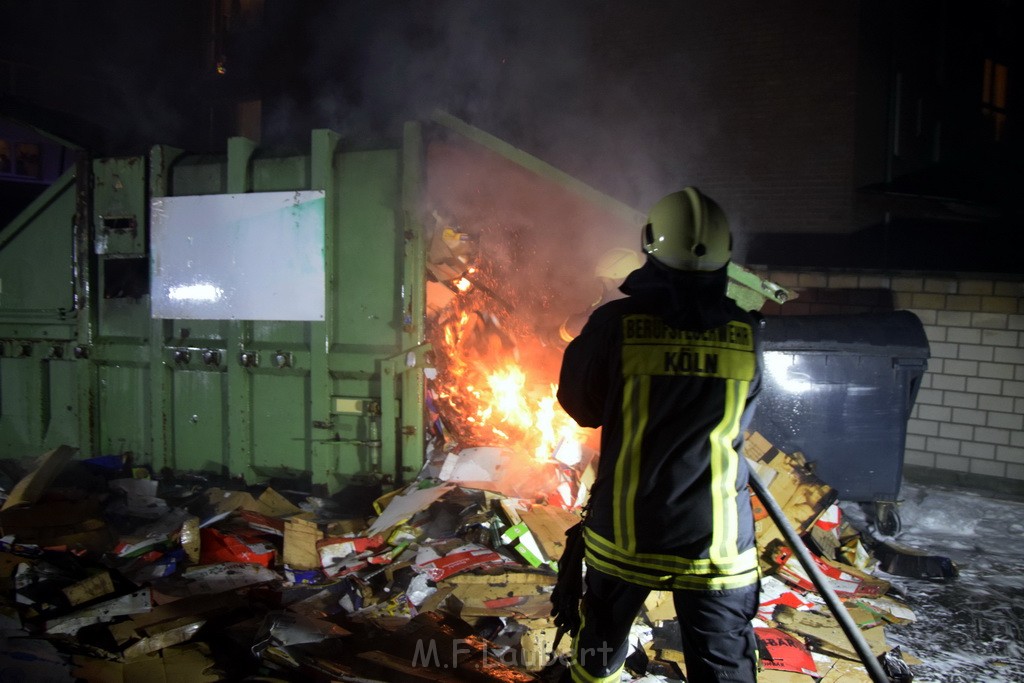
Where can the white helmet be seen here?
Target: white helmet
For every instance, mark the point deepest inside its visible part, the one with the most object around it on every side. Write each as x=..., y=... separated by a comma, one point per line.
x=687, y=231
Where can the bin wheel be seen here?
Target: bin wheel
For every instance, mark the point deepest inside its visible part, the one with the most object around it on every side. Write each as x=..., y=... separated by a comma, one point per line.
x=887, y=518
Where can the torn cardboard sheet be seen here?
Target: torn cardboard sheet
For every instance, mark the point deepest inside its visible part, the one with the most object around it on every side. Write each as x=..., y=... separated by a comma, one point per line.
x=780, y=651
x=192, y=662
x=140, y=498
x=211, y=579
x=548, y=524
x=282, y=628
x=511, y=593
x=340, y=556
x=270, y=502
x=846, y=581
x=826, y=634
x=300, y=543
x=139, y=602
x=461, y=559
x=151, y=535
x=70, y=524
x=31, y=487
x=519, y=537
x=474, y=465
x=95, y=586
x=403, y=507
x=239, y=545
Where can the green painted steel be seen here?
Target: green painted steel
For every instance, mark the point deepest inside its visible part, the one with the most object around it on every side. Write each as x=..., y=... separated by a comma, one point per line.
x=83, y=362
x=37, y=324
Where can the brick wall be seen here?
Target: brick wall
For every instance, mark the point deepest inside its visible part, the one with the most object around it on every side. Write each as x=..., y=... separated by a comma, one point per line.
x=967, y=425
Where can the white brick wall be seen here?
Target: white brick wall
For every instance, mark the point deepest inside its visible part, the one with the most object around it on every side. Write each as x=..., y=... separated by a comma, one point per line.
x=968, y=420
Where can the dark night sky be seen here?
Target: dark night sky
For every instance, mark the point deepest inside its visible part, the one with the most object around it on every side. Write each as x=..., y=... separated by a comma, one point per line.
x=357, y=67
x=618, y=94
x=573, y=82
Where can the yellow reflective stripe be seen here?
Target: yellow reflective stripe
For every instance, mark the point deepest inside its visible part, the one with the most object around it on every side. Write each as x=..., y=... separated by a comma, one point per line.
x=643, y=394
x=648, y=329
x=717, y=583
x=580, y=674
x=627, y=466
x=650, y=580
x=671, y=564
x=670, y=582
x=673, y=359
x=724, y=468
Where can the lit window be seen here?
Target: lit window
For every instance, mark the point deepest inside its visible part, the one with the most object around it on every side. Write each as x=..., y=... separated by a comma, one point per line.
x=993, y=97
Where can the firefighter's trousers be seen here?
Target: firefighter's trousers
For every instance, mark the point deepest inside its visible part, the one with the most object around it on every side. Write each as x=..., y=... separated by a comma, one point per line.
x=718, y=640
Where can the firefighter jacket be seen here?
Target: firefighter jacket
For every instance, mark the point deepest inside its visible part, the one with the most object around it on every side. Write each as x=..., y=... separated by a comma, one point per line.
x=671, y=374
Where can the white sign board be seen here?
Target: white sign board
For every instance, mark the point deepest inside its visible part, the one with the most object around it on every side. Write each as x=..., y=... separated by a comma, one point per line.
x=253, y=256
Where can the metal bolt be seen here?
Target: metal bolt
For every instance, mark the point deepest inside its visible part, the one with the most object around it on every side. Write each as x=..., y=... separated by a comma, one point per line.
x=182, y=356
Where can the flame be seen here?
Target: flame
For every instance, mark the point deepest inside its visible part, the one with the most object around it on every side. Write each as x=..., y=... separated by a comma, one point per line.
x=489, y=398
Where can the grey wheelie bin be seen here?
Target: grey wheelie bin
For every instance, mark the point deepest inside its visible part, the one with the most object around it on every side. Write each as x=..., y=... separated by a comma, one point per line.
x=840, y=389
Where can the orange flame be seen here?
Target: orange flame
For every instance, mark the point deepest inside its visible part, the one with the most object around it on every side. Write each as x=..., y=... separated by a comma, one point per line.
x=493, y=400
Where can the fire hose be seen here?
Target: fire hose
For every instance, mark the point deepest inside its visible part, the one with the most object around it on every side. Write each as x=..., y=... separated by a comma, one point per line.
x=835, y=605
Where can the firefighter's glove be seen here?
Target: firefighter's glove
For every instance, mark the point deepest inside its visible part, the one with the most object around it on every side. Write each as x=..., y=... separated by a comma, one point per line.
x=565, y=598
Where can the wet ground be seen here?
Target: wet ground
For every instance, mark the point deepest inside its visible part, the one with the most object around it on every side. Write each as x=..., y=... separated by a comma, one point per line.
x=969, y=629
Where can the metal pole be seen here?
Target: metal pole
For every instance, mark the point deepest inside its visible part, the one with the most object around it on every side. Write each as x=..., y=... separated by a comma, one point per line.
x=836, y=606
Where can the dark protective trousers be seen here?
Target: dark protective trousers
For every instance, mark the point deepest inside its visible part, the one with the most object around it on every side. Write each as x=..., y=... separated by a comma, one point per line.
x=718, y=640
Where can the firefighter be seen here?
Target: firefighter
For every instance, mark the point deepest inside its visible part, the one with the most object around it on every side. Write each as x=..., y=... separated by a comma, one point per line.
x=670, y=373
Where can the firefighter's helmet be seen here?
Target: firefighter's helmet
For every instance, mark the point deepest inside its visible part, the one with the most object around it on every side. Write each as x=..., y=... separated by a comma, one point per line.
x=688, y=231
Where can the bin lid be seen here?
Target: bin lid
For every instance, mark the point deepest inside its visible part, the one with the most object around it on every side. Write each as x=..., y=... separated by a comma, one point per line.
x=892, y=333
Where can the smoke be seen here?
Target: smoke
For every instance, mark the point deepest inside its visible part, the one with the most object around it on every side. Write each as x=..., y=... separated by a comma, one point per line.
x=572, y=83
x=534, y=74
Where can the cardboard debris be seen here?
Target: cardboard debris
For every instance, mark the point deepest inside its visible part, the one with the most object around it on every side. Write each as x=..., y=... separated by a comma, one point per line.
x=31, y=487
x=826, y=634
x=300, y=543
x=548, y=524
x=87, y=589
x=845, y=580
x=192, y=662
x=519, y=537
x=461, y=559
x=659, y=607
x=537, y=643
x=782, y=652
x=59, y=524
x=238, y=545
x=803, y=497
x=294, y=592
x=269, y=503
x=138, y=602
x=403, y=507
x=511, y=593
